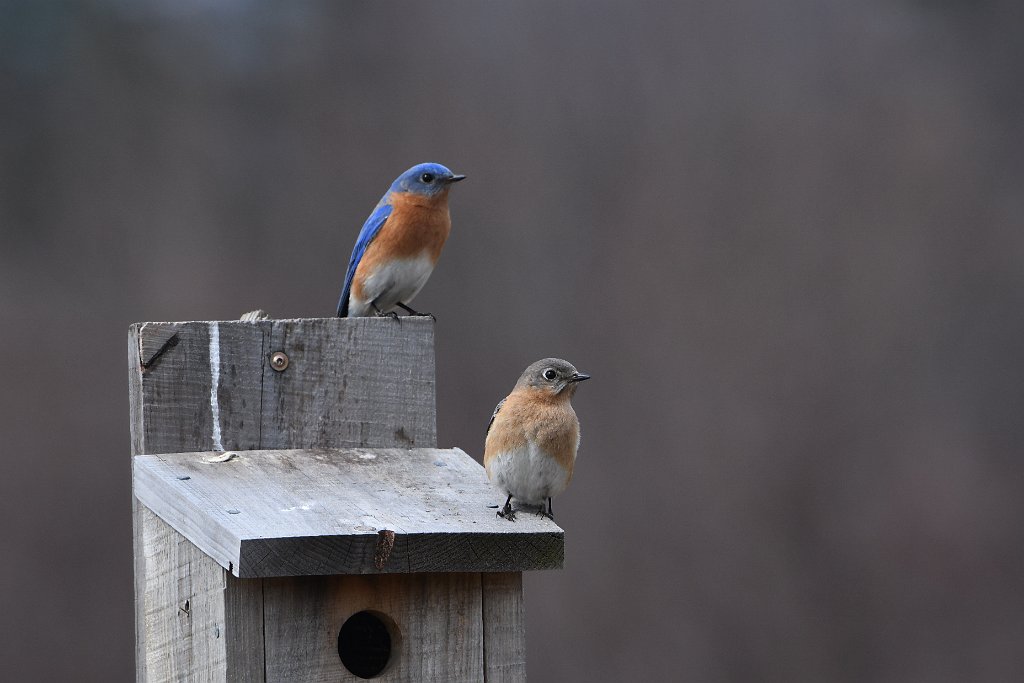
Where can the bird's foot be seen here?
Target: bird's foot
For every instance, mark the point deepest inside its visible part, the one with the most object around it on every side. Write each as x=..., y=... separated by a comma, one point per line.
x=382, y=314
x=545, y=513
x=417, y=314
x=507, y=512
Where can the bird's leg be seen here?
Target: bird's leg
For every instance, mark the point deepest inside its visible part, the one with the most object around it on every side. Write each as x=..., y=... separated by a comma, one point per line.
x=382, y=314
x=549, y=514
x=412, y=312
x=507, y=512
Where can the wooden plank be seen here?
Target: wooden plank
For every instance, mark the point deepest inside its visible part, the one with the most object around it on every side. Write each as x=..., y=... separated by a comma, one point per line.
x=174, y=399
x=296, y=512
x=183, y=617
x=243, y=629
x=181, y=400
x=200, y=623
x=139, y=558
x=504, y=624
x=351, y=382
x=435, y=618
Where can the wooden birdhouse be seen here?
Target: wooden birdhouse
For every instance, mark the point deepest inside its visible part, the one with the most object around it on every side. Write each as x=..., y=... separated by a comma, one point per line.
x=294, y=519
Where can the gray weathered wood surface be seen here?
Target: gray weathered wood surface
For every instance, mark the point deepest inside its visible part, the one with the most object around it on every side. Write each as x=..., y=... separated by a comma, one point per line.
x=349, y=382
x=200, y=622
x=429, y=613
x=299, y=512
x=504, y=623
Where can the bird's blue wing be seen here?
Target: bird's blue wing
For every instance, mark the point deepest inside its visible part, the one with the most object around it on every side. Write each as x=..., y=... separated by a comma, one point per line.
x=494, y=415
x=370, y=229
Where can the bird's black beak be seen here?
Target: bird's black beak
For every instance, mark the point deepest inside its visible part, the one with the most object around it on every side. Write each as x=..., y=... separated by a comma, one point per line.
x=579, y=377
x=456, y=178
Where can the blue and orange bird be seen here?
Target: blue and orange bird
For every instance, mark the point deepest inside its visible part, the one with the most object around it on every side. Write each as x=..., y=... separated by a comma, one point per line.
x=533, y=436
x=399, y=244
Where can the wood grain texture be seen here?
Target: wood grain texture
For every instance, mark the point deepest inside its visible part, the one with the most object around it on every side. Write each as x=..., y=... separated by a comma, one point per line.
x=437, y=633
x=172, y=408
x=200, y=623
x=311, y=512
x=504, y=623
x=171, y=392
x=349, y=382
x=243, y=629
x=183, y=616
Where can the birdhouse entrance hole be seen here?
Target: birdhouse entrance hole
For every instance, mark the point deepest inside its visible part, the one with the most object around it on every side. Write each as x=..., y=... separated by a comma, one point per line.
x=364, y=643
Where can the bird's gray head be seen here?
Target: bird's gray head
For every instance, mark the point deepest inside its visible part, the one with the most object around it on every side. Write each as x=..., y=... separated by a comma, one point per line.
x=553, y=375
x=425, y=179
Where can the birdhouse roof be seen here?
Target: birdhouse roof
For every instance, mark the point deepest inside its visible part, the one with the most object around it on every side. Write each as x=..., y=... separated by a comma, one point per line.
x=263, y=513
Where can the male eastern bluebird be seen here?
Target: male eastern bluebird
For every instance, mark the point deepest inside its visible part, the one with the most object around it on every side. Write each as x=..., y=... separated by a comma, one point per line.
x=533, y=436
x=399, y=244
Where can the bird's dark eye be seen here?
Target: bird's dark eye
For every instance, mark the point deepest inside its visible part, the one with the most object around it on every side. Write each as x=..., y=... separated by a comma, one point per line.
x=550, y=374
x=427, y=178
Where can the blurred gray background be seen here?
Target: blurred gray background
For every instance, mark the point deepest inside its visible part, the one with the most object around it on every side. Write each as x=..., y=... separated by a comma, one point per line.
x=785, y=238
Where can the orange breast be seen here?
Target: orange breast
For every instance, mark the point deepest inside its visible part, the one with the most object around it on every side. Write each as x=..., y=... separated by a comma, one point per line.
x=416, y=224
x=534, y=414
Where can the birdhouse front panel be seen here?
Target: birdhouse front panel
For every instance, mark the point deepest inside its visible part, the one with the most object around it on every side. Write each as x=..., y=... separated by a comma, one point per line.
x=412, y=627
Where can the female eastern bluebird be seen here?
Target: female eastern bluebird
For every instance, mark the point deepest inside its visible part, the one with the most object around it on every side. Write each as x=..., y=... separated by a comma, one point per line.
x=533, y=436
x=399, y=244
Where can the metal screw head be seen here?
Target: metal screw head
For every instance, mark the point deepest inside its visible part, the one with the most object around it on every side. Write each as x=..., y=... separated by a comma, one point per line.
x=279, y=361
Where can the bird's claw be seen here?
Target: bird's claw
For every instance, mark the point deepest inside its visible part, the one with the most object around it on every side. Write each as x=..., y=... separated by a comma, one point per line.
x=507, y=513
x=416, y=314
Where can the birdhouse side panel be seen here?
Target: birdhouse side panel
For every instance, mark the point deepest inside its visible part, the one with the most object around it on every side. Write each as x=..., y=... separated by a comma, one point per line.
x=196, y=621
x=504, y=622
x=182, y=610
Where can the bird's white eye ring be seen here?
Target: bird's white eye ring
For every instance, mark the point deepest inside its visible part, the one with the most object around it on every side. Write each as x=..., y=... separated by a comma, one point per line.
x=427, y=178
x=550, y=374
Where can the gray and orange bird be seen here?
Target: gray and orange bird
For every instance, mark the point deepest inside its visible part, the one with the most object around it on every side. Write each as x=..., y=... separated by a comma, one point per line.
x=533, y=436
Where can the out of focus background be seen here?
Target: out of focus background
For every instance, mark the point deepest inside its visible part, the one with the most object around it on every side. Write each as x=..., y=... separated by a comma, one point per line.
x=786, y=239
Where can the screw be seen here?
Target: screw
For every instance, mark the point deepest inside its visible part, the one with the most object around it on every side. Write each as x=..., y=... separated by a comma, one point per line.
x=279, y=361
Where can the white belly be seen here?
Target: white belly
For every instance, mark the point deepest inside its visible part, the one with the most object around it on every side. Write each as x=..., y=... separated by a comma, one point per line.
x=528, y=474
x=391, y=282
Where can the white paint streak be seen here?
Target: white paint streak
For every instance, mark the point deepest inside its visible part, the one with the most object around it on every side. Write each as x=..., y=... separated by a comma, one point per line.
x=215, y=384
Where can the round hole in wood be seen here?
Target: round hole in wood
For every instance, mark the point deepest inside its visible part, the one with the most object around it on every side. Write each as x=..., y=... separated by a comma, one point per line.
x=364, y=644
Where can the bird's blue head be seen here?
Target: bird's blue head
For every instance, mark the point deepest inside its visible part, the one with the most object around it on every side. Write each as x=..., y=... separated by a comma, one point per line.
x=425, y=179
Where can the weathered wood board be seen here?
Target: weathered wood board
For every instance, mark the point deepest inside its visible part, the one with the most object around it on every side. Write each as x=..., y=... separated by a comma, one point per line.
x=504, y=627
x=436, y=618
x=201, y=623
x=205, y=386
x=348, y=511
